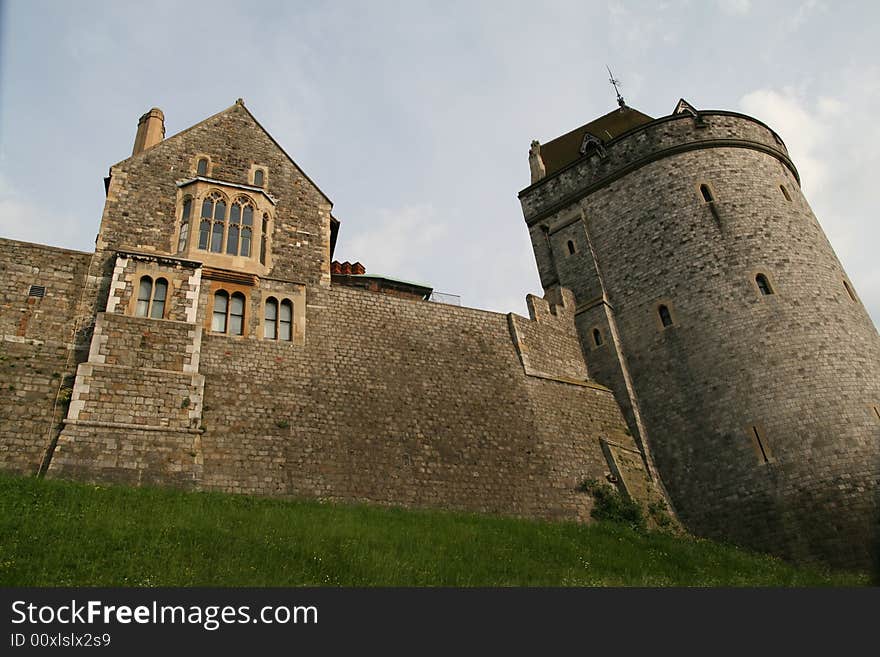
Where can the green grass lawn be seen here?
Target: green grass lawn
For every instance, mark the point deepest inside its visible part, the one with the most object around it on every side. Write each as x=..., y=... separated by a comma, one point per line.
x=55, y=533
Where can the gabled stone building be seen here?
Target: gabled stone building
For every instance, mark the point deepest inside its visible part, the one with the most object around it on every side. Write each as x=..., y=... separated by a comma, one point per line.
x=210, y=342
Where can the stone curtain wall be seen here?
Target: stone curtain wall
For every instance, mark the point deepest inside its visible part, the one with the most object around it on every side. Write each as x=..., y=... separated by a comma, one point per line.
x=801, y=365
x=546, y=343
x=402, y=402
x=36, y=336
x=61, y=271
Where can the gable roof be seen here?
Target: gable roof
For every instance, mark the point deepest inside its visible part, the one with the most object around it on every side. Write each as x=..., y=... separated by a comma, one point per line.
x=237, y=106
x=562, y=151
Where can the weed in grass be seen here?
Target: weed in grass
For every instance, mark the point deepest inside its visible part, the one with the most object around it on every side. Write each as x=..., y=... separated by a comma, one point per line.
x=610, y=504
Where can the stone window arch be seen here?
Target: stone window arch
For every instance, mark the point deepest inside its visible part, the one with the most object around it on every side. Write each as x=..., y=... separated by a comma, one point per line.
x=597, y=338
x=785, y=193
x=571, y=248
x=665, y=315
x=151, y=297
x=202, y=165
x=212, y=227
x=706, y=193
x=763, y=284
x=259, y=178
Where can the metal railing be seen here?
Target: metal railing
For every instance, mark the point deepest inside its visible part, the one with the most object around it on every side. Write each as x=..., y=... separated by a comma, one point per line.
x=443, y=297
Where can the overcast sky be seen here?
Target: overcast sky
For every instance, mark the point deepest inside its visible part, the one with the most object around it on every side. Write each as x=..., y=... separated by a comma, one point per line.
x=416, y=118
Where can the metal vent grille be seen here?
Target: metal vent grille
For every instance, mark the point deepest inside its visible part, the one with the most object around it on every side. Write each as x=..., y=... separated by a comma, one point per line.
x=38, y=291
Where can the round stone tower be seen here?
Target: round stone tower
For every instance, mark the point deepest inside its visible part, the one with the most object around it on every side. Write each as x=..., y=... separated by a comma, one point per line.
x=710, y=301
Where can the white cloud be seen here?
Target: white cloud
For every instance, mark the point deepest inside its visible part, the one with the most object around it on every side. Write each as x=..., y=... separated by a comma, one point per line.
x=28, y=221
x=805, y=11
x=735, y=7
x=397, y=242
x=803, y=132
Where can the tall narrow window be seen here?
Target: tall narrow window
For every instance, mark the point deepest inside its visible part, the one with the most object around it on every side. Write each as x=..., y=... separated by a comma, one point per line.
x=204, y=234
x=763, y=284
x=263, y=237
x=762, y=449
x=157, y=309
x=849, y=291
x=285, y=321
x=258, y=177
x=707, y=193
x=221, y=307
x=213, y=221
x=271, y=319
x=597, y=337
x=145, y=291
x=236, y=314
x=241, y=226
x=234, y=228
x=184, y=225
x=785, y=193
x=202, y=167
x=665, y=315
x=247, y=230
x=571, y=250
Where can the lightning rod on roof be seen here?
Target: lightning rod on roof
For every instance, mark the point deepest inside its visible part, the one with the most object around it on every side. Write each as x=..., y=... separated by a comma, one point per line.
x=614, y=83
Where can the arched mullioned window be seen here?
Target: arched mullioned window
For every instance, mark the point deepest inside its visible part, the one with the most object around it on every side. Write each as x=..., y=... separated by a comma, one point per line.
x=184, y=224
x=763, y=285
x=241, y=227
x=571, y=249
x=151, y=298
x=597, y=337
x=785, y=193
x=665, y=315
x=278, y=320
x=202, y=167
x=259, y=177
x=707, y=193
x=228, y=313
x=213, y=223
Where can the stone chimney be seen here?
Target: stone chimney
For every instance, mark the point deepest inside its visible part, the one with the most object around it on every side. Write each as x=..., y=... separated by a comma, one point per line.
x=151, y=130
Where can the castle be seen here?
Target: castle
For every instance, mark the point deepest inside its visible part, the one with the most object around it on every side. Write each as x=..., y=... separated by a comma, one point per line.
x=698, y=342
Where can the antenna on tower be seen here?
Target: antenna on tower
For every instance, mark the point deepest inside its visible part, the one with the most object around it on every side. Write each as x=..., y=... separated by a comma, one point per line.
x=614, y=83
